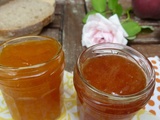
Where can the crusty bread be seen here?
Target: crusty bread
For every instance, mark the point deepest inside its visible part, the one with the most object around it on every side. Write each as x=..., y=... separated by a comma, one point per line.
x=52, y=2
x=4, y=1
x=24, y=17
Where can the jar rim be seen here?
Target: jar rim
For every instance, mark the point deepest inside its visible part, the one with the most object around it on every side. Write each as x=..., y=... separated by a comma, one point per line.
x=112, y=96
x=34, y=65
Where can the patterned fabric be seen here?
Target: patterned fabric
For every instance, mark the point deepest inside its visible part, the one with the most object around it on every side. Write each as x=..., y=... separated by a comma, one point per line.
x=153, y=105
x=69, y=104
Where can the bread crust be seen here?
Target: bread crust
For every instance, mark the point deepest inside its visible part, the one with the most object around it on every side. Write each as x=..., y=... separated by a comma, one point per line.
x=33, y=29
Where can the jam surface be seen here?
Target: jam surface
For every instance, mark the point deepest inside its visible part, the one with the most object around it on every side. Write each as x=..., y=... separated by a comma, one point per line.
x=28, y=53
x=114, y=75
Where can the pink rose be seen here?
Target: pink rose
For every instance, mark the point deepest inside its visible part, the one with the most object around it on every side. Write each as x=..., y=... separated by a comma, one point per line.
x=98, y=29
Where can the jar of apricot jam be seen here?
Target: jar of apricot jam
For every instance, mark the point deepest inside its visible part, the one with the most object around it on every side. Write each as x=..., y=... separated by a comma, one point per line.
x=112, y=82
x=31, y=72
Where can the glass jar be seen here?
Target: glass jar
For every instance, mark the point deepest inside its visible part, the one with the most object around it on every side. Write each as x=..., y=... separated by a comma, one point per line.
x=30, y=78
x=94, y=104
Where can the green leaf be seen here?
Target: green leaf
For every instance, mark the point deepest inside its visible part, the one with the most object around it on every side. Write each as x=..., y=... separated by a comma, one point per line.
x=131, y=38
x=99, y=5
x=132, y=28
x=115, y=7
x=148, y=27
x=104, y=14
x=112, y=4
x=118, y=10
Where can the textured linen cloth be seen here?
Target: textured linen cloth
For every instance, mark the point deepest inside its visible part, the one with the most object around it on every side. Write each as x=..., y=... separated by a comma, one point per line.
x=153, y=105
x=151, y=111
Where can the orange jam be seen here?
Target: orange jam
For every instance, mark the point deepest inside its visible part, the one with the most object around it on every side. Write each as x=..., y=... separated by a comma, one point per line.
x=114, y=75
x=28, y=53
x=30, y=78
x=111, y=86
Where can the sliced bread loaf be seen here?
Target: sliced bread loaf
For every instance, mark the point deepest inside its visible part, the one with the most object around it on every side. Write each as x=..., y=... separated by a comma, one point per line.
x=24, y=17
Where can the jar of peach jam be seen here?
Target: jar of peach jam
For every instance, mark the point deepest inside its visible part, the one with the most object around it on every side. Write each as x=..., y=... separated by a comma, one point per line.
x=31, y=72
x=112, y=82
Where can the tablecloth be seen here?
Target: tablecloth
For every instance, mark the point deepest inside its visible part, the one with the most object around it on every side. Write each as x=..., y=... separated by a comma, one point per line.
x=150, y=112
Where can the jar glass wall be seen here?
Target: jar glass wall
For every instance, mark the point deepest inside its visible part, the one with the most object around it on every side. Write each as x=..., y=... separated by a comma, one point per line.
x=30, y=79
x=94, y=104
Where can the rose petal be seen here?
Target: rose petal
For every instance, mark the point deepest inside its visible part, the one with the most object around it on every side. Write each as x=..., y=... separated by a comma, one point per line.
x=98, y=29
x=115, y=20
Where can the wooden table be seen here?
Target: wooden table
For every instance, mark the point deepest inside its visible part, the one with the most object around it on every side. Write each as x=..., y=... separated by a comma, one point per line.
x=67, y=28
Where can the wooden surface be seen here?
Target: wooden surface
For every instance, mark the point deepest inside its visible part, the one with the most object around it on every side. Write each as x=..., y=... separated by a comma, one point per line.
x=67, y=28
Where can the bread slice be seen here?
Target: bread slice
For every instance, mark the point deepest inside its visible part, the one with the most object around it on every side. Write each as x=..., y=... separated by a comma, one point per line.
x=4, y=1
x=24, y=17
x=52, y=2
